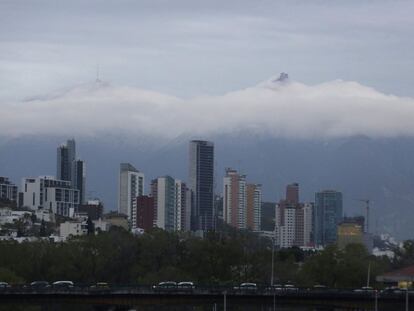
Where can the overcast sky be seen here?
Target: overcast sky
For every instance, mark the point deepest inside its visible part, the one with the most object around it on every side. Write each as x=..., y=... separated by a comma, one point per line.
x=189, y=47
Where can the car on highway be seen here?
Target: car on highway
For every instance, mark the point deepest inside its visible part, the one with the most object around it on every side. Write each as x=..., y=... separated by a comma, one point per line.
x=290, y=288
x=393, y=290
x=165, y=286
x=247, y=287
x=364, y=289
x=186, y=285
x=39, y=285
x=4, y=285
x=100, y=286
x=274, y=288
x=63, y=285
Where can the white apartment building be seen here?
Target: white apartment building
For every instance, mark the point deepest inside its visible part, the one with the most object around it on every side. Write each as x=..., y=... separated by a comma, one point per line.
x=46, y=192
x=131, y=185
x=286, y=223
x=293, y=224
x=307, y=223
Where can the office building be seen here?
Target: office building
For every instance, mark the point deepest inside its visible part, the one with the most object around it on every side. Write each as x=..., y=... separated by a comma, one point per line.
x=66, y=154
x=79, y=178
x=8, y=190
x=48, y=193
x=131, y=186
x=70, y=168
x=201, y=185
x=327, y=216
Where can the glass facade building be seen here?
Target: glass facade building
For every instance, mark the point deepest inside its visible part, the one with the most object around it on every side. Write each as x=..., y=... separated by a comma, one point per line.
x=327, y=216
x=201, y=185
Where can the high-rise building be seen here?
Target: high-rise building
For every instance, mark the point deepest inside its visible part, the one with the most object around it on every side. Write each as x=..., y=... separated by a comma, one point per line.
x=182, y=200
x=8, y=190
x=131, y=186
x=164, y=194
x=70, y=168
x=235, y=199
x=66, y=154
x=48, y=193
x=79, y=178
x=171, y=210
x=293, y=220
x=327, y=216
x=253, y=206
x=201, y=184
x=303, y=226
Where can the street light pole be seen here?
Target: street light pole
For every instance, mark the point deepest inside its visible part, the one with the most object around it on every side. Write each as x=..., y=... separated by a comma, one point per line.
x=406, y=299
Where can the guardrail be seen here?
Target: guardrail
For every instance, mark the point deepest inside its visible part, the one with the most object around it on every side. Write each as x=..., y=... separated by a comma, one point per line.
x=128, y=289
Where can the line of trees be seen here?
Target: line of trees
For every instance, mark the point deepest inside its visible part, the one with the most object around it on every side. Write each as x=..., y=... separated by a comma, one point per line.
x=225, y=257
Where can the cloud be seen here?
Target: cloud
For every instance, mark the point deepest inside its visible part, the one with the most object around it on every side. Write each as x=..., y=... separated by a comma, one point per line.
x=280, y=109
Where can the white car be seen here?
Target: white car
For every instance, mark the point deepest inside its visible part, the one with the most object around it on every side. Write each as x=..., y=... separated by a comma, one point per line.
x=63, y=284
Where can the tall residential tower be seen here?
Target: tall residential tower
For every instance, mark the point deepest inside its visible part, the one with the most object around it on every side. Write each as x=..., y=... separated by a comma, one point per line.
x=131, y=186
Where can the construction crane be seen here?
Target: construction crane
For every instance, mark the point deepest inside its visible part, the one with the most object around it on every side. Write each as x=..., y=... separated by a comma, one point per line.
x=366, y=201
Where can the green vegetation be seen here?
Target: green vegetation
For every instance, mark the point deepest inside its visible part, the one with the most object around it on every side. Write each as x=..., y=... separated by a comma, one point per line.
x=226, y=257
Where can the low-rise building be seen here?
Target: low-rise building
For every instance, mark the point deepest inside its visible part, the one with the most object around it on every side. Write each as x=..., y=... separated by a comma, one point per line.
x=73, y=228
x=116, y=219
x=94, y=209
x=48, y=193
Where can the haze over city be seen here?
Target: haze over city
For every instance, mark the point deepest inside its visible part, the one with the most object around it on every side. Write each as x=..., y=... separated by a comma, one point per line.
x=253, y=155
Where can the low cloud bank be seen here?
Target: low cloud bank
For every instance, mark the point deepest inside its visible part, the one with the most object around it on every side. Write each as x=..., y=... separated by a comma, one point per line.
x=280, y=108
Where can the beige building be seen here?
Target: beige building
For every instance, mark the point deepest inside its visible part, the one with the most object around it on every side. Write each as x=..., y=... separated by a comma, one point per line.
x=350, y=233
